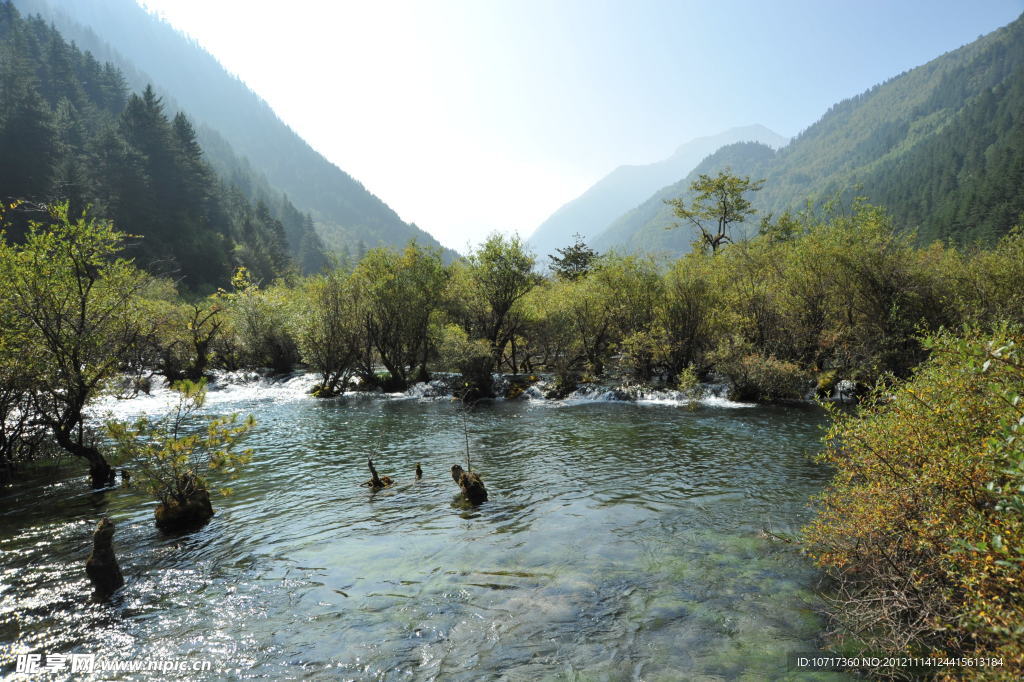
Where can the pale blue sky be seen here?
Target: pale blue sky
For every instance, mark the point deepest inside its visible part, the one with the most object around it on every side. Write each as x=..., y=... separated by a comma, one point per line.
x=472, y=115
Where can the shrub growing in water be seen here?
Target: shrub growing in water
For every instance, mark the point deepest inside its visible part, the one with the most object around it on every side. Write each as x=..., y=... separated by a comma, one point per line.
x=756, y=377
x=172, y=462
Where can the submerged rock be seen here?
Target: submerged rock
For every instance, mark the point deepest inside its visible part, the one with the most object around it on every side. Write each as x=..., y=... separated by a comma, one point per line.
x=101, y=566
x=192, y=513
x=472, y=487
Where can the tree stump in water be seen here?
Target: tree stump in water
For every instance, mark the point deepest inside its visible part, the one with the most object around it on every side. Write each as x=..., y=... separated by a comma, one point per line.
x=101, y=566
x=376, y=482
x=419, y=471
x=472, y=487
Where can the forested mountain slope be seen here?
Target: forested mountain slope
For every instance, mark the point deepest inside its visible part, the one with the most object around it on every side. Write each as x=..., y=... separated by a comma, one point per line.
x=71, y=130
x=147, y=48
x=620, y=190
x=941, y=146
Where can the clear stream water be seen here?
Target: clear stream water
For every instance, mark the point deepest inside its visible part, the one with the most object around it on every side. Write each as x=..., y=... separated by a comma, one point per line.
x=621, y=542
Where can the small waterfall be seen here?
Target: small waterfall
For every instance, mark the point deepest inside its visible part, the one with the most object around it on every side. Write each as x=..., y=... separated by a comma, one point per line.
x=845, y=391
x=233, y=387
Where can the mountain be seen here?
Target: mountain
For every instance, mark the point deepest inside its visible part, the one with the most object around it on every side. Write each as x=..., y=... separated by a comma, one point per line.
x=148, y=50
x=645, y=228
x=70, y=130
x=941, y=146
x=625, y=186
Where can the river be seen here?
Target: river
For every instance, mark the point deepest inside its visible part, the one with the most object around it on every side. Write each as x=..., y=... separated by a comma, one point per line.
x=621, y=542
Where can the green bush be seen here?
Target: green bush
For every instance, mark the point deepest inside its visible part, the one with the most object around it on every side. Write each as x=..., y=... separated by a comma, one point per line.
x=173, y=462
x=922, y=528
x=755, y=377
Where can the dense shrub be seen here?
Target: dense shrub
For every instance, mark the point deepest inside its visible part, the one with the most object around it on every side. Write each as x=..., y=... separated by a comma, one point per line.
x=756, y=377
x=922, y=526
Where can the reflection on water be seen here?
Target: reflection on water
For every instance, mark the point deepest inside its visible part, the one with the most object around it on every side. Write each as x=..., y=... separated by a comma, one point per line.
x=621, y=542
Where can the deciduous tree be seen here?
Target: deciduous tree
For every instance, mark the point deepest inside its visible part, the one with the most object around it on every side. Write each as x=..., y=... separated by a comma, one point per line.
x=718, y=204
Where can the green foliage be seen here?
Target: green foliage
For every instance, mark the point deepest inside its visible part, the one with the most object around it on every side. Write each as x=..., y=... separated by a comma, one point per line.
x=73, y=312
x=645, y=351
x=923, y=526
x=171, y=460
x=991, y=282
x=329, y=333
x=687, y=379
x=186, y=334
x=615, y=300
x=690, y=311
x=573, y=261
x=258, y=325
x=719, y=202
x=486, y=291
x=758, y=378
x=472, y=358
x=397, y=293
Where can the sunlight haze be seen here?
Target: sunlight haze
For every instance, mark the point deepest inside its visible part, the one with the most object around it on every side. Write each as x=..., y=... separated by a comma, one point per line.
x=466, y=117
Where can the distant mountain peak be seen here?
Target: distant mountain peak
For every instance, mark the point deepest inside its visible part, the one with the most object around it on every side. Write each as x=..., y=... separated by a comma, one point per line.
x=940, y=146
x=754, y=132
x=628, y=185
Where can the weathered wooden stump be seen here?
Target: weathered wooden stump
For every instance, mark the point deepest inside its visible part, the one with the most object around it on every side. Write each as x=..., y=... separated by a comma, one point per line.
x=472, y=487
x=376, y=482
x=101, y=566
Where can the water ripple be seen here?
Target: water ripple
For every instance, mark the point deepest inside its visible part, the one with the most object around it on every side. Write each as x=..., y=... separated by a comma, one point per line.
x=620, y=541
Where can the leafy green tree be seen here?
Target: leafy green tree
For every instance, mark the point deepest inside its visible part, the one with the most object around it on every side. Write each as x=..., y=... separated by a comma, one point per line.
x=573, y=261
x=330, y=331
x=500, y=275
x=398, y=292
x=18, y=440
x=73, y=309
x=546, y=332
x=470, y=357
x=186, y=336
x=617, y=299
x=689, y=311
x=922, y=528
x=258, y=320
x=719, y=203
x=484, y=296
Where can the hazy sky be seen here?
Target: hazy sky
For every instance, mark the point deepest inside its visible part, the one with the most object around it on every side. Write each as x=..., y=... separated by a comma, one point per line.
x=472, y=115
